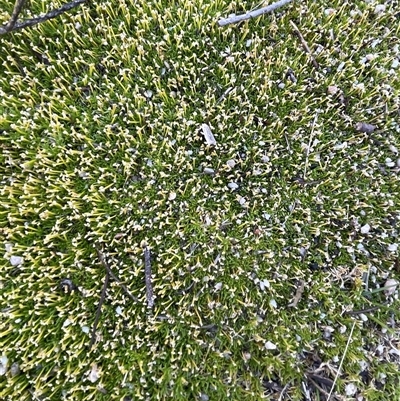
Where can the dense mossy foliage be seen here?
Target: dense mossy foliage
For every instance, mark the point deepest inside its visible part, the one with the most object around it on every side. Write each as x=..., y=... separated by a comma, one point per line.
x=274, y=253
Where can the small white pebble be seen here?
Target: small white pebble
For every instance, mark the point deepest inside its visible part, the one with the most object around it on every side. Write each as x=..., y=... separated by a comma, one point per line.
x=218, y=286
x=208, y=135
x=329, y=11
x=350, y=389
x=85, y=329
x=273, y=303
x=233, y=185
x=393, y=149
x=148, y=93
x=395, y=64
x=67, y=322
x=266, y=216
x=390, y=286
x=365, y=229
x=332, y=89
x=389, y=162
x=270, y=345
x=265, y=159
x=172, y=196
x=363, y=317
x=118, y=310
x=3, y=365
x=393, y=247
x=242, y=201
x=248, y=42
x=209, y=171
x=281, y=85
x=231, y=163
x=94, y=374
x=264, y=284
x=16, y=260
x=340, y=146
x=379, y=8
x=8, y=247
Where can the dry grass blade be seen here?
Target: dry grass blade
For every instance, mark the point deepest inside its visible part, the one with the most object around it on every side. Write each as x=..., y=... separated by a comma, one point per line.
x=304, y=44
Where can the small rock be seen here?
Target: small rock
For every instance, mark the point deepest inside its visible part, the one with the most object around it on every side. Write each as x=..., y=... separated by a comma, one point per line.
x=242, y=201
x=389, y=162
x=209, y=171
x=365, y=229
x=264, y=284
x=8, y=247
x=204, y=397
x=350, y=389
x=94, y=374
x=365, y=127
x=332, y=90
x=329, y=11
x=393, y=247
x=390, y=286
x=172, y=196
x=233, y=185
x=3, y=365
x=16, y=260
x=269, y=345
x=148, y=94
x=379, y=8
x=231, y=163
x=208, y=135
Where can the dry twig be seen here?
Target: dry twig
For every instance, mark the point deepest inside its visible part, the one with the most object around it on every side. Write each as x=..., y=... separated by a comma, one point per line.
x=299, y=293
x=12, y=25
x=304, y=44
x=114, y=277
x=253, y=14
x=147, y=276
x=101, y=302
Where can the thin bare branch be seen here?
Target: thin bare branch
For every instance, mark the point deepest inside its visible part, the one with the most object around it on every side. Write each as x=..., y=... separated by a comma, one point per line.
x=253, y=14
x=114, y=277
x=304, y=44
x=19, y=4
x=98, y=312
x=42, y=18
x=147, y=276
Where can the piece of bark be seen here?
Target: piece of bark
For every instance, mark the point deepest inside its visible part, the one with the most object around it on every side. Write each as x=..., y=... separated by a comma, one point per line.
x=297, y=296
